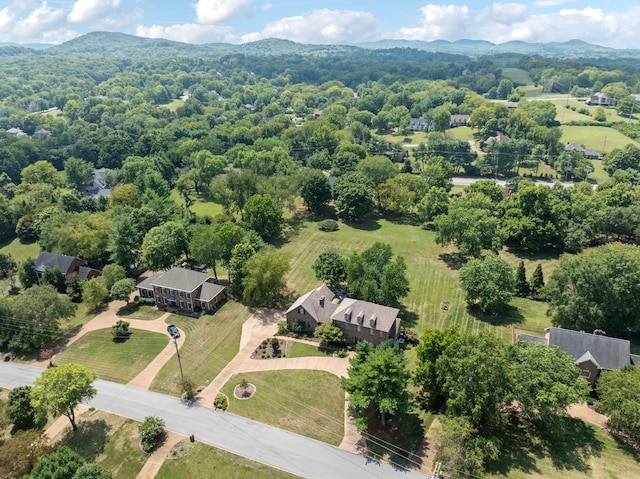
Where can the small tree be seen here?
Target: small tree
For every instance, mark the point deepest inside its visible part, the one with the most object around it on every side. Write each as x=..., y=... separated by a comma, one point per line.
x=59, y=390
x=122, y=289
x=94, y=293
x=120, y=331
x=20, y=411
x=188, y=389
x=150, y=430
x=536, y=289
x=8, y=266
x=329, y=334
x=522, y=286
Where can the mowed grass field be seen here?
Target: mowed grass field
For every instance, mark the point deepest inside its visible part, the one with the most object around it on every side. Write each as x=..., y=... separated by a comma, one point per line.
x=435, y=299
x=211, y=342
x=599, y=138
x=307, y=402
x=114, y=361
x=207, y=462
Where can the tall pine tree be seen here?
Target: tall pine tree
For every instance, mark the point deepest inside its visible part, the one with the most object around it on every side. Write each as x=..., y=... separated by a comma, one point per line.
x=537, y=284
x=522, y=286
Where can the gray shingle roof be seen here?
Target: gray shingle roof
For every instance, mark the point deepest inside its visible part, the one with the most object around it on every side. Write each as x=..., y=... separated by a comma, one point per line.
x=334, y=309
x=609, y=353
x=532, y=339
x=181, y=279
x=51, y=260
x=147, y=283
x=209, y=291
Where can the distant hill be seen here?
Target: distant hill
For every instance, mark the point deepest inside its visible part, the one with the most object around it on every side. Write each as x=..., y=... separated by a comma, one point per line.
x=111, y=44
x=33, y=46
x=568, y=49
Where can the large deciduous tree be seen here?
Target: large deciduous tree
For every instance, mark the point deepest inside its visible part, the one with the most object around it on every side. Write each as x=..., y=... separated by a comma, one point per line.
x=33, y=318
x=470, y=229
x=544, y=380
x=353, y=196
x=377, y=382
x=488, y=282
x=20, y=411
x=619, y=400
x=264, y=216
x=164, y=245
x=375, y=276
x=314, y=189
x=60, y=389
x=78, y=173
x=331, y=268
x=597, y=289
x=265, y=277
x=62, y=463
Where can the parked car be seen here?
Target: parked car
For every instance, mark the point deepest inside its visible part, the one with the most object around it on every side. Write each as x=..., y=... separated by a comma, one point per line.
x=173, y=331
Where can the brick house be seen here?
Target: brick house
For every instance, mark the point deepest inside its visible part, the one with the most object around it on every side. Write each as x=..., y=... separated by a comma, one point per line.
x=183, y=289
x=592, y=353
x=69, y=265
x=359, y=320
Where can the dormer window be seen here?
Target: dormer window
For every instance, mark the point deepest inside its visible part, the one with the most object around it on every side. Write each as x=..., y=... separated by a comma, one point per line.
x=373, y=320
x=347, y=315
x=360, y=317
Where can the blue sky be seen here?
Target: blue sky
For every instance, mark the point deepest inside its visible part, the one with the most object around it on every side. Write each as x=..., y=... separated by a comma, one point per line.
x=611, y=23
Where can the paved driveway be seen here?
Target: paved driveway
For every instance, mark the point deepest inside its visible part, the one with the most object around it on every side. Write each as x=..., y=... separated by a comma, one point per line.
x=274, y=447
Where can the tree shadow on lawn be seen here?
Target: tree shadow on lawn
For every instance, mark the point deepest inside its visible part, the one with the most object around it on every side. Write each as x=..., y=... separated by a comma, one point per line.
x=402, y=435
x=409, y=318
x=369, y=224
x=506, y=316
x=546, y=254
x=89, y=440
x=568, y=442
x=454, y=261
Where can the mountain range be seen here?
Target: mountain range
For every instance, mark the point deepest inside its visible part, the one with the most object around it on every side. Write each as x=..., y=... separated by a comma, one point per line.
x=113, y=44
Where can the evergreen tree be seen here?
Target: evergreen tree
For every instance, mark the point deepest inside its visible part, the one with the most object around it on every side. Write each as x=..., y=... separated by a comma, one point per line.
x=522, y=286
x=537, y=283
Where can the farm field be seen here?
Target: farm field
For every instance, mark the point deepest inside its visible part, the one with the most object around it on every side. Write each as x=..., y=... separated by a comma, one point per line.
x=211, y=342
x=291, y=400
x=207, y=462
x=114, y=361
x=517, y=75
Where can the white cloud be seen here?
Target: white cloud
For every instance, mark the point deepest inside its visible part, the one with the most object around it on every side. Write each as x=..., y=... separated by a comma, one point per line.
x=550, y=3
x=322, y=26
x=88, y=10
x=503, y=22
x=508, y=13
x=217, y=11
x=6, y=18
x=267, y=6
x=441, y=22
x=189, y=33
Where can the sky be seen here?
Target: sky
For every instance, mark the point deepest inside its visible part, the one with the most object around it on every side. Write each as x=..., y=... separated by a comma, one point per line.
x=612, y=23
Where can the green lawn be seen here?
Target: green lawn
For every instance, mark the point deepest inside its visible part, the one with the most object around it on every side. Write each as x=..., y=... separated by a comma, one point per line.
x=19, y=250
x=598, y=174
x=173, y=104
x=115, y=361
x=581, y=451
x=414, y=138
x=206, y=462
x=211, y=342
x=301, y=350
x=431, y=270
x=461, y=133
x=108, y=440
x=306, y=402
x=207, y=208
x=599, y=138
x=517, y=75
x=138, y=311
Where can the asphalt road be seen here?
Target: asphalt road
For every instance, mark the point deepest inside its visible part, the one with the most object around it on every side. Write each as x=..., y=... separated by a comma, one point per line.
x=277, y=448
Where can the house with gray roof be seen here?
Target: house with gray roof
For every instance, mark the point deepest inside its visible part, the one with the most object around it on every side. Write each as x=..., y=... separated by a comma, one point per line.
x=600, y=99
x=359, y=320
x=98, y=186
x=183, y=289
x=69, y=265
x=586, y=152
x=592, y=353
x=420, y=124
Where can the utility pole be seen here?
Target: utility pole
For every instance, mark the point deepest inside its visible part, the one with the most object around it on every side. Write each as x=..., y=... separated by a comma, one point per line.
x=175, y=343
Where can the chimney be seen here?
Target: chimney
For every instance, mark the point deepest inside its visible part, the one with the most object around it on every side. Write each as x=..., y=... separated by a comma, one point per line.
x=322, y=301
